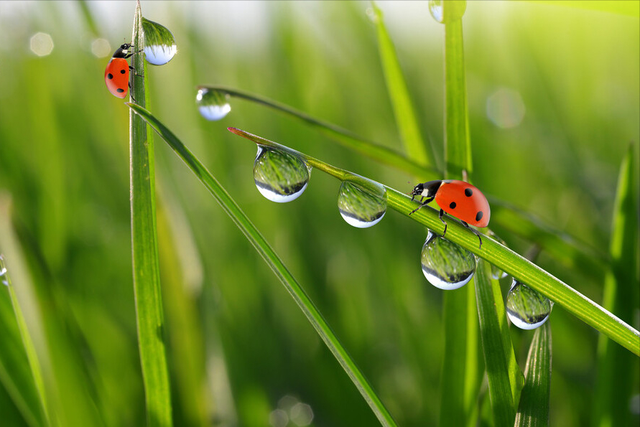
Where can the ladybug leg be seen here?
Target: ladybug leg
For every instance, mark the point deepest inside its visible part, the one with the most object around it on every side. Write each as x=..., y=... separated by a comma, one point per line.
x=474, y=231
x=131, y=93
x=443, y=221
x=135, y=71
x=426, y=202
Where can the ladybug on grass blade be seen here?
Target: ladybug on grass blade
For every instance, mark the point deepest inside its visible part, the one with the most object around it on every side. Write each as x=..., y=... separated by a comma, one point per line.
x=457, y=198
x=116, y=76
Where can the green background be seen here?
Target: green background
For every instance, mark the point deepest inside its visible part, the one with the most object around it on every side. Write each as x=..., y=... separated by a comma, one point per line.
x=64, y=172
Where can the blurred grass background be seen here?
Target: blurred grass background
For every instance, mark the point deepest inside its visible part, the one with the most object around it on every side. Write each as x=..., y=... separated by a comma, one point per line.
x=554, y=102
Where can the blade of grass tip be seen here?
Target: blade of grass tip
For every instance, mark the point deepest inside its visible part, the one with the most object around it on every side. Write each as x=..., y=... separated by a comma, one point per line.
x=346, y=138
x=20, y=371
x=617, y=369
x=146, y=280
x=533, y=410
x=497, y=365
x=500, y=256
x=275, y=263
x=399, y=94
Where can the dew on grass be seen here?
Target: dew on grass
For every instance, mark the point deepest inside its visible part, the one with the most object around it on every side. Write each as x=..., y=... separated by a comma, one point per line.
x=213, y=104
x=4, y=277
x=453, y=11
x=446, y=265
x=279, y=175
x=159, y=44
x=362, y=204
x=527, y=308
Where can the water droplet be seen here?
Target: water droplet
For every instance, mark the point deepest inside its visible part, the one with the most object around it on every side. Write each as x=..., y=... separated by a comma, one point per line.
x=496, y=273
x=446, y=265
x=451, y=12
x=363, y=203
x=213, y=104
x=527, y=308
x=279, y=175
x=159, y=44
x=4, y=277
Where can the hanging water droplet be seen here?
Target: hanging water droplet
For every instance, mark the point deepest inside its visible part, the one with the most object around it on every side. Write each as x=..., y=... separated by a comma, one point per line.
x=363, y=203
x=213, y=104
x=527, y=308
x=159, y=44
x=4, y=277
x=279, y=175
x=446, y=265
x=496, y=273
x=451, y=12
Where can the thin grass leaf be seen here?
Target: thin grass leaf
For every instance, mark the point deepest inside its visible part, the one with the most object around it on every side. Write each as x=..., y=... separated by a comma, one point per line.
x=275, y=263
x=496, y=362
x=346, y=138
x=534, y=400
x=399, y=94
x=146, y=273
x=500, y=256
x=614, y=385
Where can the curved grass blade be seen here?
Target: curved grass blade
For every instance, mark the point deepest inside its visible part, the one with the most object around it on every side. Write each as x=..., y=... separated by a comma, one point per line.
x=614, y=385
x=346, y=138
x=534, y=400
x=501, y=387
x=500, y=256
x=399, y=94
x=146, y=271
x=275, y=263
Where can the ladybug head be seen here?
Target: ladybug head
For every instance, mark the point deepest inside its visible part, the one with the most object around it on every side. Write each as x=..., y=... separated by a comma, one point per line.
x=122, y=51
x=426, y=189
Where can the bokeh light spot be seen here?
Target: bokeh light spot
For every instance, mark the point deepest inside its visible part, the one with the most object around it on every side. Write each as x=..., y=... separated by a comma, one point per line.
x=41, y=44
x=101, y=48
x=505, y=108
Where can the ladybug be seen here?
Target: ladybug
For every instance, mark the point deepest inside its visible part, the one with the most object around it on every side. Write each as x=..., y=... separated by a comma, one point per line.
x=457, y=198
x=116, y=76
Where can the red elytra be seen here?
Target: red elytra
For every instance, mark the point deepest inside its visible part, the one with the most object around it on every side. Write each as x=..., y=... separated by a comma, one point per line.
x=457, y=198
x=116, y=76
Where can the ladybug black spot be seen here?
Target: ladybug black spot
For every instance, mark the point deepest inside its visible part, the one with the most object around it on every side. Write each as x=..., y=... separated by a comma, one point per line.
x=122, y=90
x=122, y=71
x=452, y=205
x=479, y=215
x=109, y=76
x=468, y=192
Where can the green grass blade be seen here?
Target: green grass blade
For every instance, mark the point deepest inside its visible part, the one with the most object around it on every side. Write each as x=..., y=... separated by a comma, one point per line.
x=399, y=94
x=534, y=400
x=457, y=143
x=346, y=138
x=274, y=262
x=20, y=371
x=495, y=358
x=501, y=256
x=455, y=380
x=614, y=385
x=146, y=276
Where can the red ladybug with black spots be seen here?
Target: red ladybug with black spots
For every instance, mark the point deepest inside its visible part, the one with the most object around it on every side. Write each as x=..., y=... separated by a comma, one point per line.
x=457, y=198
x=116, y=76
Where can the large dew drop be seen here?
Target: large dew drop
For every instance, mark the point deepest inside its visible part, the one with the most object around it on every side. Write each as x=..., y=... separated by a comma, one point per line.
x=363, y=203
x=280, y=176
x=159, y=44
x=527, y=309
x=213, y=104
x=446, y=265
